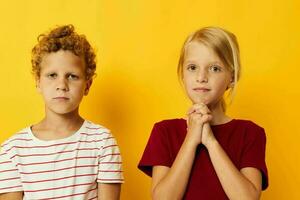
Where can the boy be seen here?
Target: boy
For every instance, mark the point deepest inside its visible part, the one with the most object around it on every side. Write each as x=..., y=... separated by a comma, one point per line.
x=63, y=156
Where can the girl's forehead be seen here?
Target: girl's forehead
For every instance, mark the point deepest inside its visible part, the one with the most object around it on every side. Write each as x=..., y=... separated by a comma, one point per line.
x=198, y=51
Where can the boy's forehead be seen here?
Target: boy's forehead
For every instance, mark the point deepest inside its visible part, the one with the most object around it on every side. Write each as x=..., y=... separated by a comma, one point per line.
x=65, y=59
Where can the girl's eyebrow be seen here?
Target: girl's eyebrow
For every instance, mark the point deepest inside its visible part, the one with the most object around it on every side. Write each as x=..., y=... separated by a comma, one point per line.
x=210, y=63
x=189, y=61
x=217, y=63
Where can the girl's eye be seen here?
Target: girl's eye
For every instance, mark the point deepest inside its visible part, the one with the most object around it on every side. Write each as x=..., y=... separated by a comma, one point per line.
x=215, y=68
x=191, y=67
x=72, y=77
x=52, y=75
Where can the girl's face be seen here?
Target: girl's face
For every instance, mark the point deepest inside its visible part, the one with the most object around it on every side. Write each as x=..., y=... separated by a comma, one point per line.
x=62, y=82
x=205, y=77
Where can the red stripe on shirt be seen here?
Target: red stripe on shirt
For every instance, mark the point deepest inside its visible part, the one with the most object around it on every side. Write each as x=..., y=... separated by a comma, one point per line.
x=5, y=162
x=60, y=152
x=58, y=188
x=110, y=179
x=56, y=161
x=111, y=154
x=22, y=139
x=93, y=134
x=93, y=128
x=56, y=179
x=72, y=195
x=110, y=170
x=11, y=187
x=9, y=179
x=114, y=145
x=54, y=145
x=39, y=172
x=111, y=163
x=9, y=170
x=2, y=154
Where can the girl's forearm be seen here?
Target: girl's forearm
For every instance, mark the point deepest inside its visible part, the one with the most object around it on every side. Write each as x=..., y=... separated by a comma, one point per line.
x=234, y=183
x=173, y=185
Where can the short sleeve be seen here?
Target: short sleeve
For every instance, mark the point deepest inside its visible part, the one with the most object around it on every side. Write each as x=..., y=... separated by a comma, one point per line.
x=9, y=175
x=157, y=151
x=110, y=162
x=254, y=153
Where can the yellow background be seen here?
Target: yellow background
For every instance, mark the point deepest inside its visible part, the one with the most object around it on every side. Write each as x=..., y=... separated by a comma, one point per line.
x=138, y=45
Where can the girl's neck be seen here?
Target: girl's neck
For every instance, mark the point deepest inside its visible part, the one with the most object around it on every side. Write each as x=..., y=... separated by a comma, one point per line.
x=219, y=116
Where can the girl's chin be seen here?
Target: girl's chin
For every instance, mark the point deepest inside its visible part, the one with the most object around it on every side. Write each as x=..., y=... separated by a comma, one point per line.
x=200, y=100
x=208, y=103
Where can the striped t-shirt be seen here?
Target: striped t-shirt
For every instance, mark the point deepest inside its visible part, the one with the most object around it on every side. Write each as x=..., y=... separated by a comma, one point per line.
x=68, y=168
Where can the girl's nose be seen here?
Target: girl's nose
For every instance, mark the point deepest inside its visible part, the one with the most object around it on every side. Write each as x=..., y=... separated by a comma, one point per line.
x=202, y=76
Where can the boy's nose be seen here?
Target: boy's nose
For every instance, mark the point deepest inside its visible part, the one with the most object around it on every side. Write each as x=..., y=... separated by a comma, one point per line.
x=62, y=85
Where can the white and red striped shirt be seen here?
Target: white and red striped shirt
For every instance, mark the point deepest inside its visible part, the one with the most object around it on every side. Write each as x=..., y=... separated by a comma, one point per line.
x=68, y=168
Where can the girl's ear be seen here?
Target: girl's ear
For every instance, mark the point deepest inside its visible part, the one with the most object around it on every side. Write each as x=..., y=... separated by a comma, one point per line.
x=88, y=85
x=231, y=84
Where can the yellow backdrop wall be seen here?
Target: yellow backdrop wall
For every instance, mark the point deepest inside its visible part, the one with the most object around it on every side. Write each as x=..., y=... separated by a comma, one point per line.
x=138, y=45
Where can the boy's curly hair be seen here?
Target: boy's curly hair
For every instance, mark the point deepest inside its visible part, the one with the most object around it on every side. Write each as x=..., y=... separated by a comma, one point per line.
x=63, y=38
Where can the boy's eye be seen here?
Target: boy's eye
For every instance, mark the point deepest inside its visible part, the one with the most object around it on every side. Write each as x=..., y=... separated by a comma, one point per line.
x=52, y=75
x=191, y=67
x=72, y=77
x=215, y=68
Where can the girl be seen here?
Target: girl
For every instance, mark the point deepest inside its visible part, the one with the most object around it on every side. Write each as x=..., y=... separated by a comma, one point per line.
x=209, y=155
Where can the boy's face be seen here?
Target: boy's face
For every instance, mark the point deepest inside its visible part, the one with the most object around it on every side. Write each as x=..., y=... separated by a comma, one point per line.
x=62, y=82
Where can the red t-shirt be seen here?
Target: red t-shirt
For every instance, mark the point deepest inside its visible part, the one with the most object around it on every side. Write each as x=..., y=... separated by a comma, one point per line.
x=243, y=141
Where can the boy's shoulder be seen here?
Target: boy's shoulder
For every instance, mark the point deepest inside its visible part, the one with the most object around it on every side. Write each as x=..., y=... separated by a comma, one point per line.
x=94, y=129
x=20, y=136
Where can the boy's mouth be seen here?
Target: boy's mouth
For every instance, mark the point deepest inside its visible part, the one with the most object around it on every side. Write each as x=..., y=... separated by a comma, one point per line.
x=201, y=89
x=61, y=98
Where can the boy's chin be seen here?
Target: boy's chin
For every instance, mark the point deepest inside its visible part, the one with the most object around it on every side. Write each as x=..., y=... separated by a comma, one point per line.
x=64, y=112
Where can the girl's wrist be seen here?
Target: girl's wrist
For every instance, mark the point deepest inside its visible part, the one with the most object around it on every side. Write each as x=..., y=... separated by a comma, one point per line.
x=211, y=143
x=191, y=141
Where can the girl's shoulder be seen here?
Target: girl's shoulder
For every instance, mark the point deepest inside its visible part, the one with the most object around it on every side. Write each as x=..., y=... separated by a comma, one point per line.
x=171, y=123
x=248, y=129
x=247, y=124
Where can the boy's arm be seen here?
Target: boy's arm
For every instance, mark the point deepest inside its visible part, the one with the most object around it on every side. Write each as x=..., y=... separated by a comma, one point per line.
x=109, y=191
x=12, y=196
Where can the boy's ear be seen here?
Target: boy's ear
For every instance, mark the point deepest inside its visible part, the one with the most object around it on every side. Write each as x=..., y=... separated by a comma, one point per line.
x=37, y=84
x=88, y=85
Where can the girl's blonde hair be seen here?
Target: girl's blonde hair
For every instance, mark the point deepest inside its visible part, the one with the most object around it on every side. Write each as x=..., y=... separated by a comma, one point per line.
x=224, y=44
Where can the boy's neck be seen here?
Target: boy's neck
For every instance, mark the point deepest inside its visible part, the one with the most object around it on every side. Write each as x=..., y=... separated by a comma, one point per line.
x=55, y=126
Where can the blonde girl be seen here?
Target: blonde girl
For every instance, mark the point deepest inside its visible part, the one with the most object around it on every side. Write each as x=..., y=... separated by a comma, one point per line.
x=209, y=155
